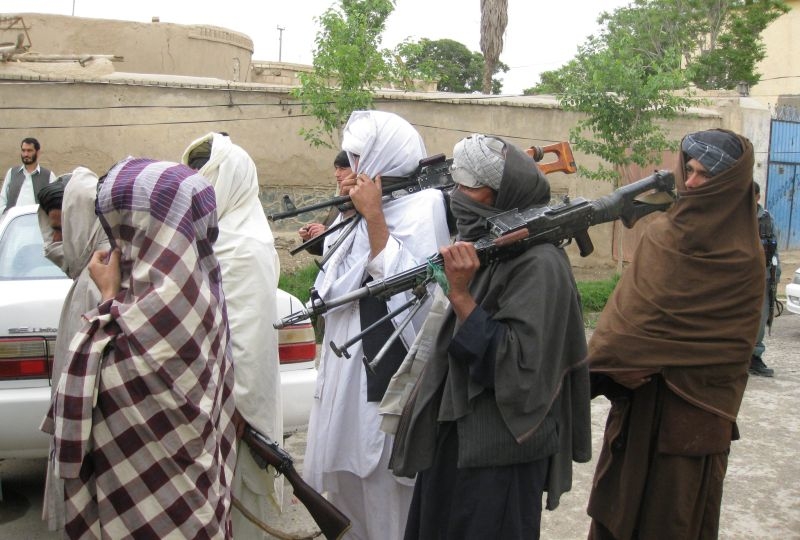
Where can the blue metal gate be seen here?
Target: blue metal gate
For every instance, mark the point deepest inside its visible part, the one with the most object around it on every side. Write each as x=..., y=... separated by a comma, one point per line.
x=783, y=182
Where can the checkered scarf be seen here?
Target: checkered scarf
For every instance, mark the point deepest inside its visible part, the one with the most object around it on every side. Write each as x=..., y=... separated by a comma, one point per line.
x=717, y=150
x=168, y=323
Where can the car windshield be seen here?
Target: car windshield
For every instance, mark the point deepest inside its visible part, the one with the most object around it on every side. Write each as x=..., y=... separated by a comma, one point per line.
x=22, y=252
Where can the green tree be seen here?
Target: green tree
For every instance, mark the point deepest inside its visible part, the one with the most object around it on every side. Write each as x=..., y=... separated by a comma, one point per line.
x=636, y=73
x=494, y=19
x=451, y=64
x=624, y=95
x=720, y=41
x=349, y=65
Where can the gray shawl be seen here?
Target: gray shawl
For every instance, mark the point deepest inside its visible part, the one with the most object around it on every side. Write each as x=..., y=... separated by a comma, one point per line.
x=540, y=365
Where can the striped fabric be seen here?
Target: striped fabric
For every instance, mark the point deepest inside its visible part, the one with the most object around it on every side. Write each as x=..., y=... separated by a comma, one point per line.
x=142, y=421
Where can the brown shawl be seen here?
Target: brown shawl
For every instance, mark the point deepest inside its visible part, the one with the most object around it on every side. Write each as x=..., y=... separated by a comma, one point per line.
x=689, y=305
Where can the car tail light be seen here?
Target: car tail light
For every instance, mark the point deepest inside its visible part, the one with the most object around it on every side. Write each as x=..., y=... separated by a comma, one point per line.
x=297, y=343
x=25, y=358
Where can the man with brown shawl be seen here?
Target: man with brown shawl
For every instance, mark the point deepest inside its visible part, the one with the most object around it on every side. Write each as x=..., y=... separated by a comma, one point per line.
x=501, y=408
x=672, y=349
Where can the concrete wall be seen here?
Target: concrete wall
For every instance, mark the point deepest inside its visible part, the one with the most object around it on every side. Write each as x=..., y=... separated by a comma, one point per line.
x=196, y=50
x=98, y=121
x=780, y=69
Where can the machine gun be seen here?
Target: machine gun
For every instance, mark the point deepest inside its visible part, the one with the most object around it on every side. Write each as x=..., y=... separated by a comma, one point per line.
x=510, y=233
x=330, y=520
x=432, y=173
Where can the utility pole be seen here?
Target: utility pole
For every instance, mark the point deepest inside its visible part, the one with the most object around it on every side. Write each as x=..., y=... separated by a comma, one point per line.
x=73, y=8
x=280, y=41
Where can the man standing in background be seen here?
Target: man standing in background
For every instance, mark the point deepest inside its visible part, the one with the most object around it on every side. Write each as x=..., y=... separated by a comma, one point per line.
x=769, y=241
x=341, y=170
x=22, y=184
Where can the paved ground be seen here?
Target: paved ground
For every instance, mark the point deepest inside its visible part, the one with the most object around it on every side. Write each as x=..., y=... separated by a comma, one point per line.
x=762, y=488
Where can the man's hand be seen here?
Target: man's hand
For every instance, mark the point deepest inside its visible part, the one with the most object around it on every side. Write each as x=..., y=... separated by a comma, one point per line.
x=347, y=184
x=312, y=230
x=366, y=196
x=104, y=271
x=633, y=379
x=460, y=265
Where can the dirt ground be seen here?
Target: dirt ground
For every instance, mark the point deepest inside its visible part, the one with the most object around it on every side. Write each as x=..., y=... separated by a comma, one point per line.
x=759, y=501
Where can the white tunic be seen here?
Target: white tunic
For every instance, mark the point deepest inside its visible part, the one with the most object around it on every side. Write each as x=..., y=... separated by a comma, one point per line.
x=347, y=453
x=250, y=269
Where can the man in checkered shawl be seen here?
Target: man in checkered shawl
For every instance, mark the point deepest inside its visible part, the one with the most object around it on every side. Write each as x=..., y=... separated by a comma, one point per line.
x=141, y=417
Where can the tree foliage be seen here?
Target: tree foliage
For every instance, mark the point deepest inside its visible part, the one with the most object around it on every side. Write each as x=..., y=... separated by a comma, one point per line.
x=348, y=65
x=451, y=64
x=720, y=41
x=638, y=70
x=494, y=19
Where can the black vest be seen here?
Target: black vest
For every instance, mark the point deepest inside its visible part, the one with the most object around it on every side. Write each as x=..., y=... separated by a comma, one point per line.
x=39, y=180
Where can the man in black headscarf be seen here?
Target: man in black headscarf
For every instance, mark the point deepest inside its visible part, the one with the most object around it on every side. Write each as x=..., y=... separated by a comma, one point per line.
x=672, y=349
x=502, y=407
x=50, y=198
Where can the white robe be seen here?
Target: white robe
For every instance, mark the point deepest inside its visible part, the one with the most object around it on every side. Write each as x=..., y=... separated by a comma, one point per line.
x=250, y=269
x=347, y=453
x=82, y=236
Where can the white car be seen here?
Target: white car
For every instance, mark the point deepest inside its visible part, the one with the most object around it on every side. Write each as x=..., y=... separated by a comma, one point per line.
x=32, y=291
x=793, y=293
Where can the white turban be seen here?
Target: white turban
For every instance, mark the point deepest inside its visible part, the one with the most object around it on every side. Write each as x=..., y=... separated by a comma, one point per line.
x=385, y=143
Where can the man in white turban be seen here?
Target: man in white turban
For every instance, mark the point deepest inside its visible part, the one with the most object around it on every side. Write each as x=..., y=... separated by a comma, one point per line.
x=347, y=453
x=250, y=269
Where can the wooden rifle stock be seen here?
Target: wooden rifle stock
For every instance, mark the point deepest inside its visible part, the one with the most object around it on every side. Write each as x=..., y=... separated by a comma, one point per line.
x=328, y=518
x=565, y=161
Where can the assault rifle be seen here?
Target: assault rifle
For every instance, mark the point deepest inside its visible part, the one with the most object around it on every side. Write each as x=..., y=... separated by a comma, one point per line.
x=432, y=173
x=510, y=233
x=330, y=520
x=770, y=250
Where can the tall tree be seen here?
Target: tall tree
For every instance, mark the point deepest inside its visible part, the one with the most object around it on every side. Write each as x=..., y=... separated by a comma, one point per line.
x=637, y=72
x=451, y=64
x=494, y=19
x=349, y=64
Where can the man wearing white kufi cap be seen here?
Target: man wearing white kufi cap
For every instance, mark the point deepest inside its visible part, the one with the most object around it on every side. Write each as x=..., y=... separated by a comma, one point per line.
x=501, y=408
x=347, y=454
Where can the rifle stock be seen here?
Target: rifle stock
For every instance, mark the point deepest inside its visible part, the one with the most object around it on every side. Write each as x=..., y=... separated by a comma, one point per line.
x=330, y=520
x=564, y=162
x=513, y=232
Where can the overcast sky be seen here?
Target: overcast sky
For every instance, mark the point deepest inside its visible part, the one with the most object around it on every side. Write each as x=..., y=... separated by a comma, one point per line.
x=540, y=35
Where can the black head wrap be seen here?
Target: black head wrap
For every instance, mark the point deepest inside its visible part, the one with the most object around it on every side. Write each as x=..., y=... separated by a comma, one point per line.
x=716, y=149
x=51, y=195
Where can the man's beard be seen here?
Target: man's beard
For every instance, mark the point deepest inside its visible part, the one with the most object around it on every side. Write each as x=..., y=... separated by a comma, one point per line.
x=27, y=160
